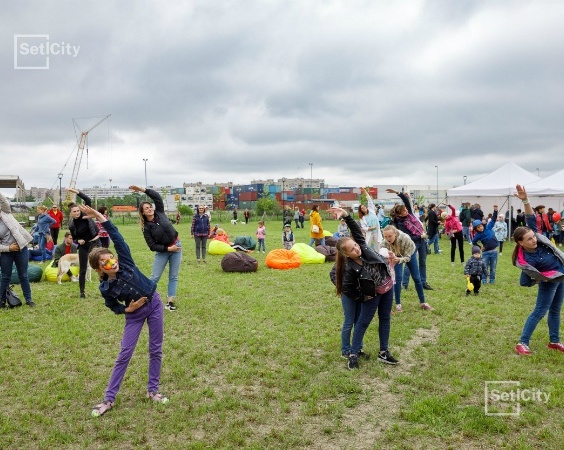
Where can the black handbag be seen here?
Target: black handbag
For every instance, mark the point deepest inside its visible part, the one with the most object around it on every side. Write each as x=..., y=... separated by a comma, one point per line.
x=12, y=299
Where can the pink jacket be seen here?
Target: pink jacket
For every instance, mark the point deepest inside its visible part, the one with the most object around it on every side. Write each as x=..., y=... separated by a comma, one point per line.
x=452, y=224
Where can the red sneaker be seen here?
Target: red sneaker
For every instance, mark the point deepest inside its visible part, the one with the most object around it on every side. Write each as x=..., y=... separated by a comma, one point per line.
x=558, y=346
x=523, y=349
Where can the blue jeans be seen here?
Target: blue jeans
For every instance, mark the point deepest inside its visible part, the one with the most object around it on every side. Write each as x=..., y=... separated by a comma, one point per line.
x=382, y=303
x=435, y=241
x=7, y=260
x=261, y=244
x=317, y=241
x=412, y=268
x=490, y=259
x=549, y=299
x=421, y=250
x=351, y=310
x=42, y=242
x=173, y=259
x=466, y=234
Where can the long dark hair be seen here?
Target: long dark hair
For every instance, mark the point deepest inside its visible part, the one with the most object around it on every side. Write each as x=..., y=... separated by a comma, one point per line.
x=340, y=263
x=141, y=215
x=518, y=236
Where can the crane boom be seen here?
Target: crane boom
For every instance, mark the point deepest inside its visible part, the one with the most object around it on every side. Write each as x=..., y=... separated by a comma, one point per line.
x=70, y=197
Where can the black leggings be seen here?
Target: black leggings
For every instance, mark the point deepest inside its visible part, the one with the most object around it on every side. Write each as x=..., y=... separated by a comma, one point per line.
x=83, y=252
x=55, y=234
x=457, y=237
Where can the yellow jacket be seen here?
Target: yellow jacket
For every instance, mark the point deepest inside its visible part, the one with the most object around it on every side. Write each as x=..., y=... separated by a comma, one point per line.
x=315, y=219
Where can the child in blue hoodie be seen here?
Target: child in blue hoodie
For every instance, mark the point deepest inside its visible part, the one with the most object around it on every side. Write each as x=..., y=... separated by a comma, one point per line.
x=486, y=236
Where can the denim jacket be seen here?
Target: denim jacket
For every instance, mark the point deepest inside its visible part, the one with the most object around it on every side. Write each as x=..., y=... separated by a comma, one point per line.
x=129, y=284
x=530, y=275
x=44, y=222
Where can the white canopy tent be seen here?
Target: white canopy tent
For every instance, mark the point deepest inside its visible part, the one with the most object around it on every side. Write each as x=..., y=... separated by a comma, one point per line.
x=548, y=191
x=497, y=187
x=548, y=186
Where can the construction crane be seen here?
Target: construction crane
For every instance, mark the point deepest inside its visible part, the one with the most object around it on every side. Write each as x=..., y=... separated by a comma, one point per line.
x=70, y=198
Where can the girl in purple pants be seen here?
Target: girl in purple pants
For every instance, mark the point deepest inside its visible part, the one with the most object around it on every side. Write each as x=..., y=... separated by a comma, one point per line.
x=127, y=291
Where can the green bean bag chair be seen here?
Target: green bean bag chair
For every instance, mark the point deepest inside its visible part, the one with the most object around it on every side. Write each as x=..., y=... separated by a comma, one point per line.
x=308, y=255
x=246, y=242
x=34, y=274
x=219, y=248
x=283, y=259
x=51, y=273
x=327, y=233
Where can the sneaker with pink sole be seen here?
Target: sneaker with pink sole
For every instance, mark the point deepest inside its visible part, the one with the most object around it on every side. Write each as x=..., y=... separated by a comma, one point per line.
x=523, y=349
x=399, y=308
x=556, y=346
x=426, y=307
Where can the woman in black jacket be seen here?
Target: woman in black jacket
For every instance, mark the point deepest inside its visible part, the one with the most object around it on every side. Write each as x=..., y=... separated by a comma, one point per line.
x=162, y=238
x=359, y=274
x=85, y=233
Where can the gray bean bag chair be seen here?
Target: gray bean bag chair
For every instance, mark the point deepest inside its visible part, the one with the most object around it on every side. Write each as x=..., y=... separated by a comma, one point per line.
x=329, y=252
x=239, y=262
x=330, y=241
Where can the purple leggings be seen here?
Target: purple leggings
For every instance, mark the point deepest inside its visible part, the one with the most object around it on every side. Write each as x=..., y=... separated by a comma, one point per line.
x=152, y=312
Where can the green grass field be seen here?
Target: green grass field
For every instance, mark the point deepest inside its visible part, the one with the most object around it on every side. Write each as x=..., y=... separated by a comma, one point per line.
x=253, y=361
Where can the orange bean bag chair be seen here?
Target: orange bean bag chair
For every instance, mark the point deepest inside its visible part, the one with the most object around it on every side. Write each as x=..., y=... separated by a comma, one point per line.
x=281, y=258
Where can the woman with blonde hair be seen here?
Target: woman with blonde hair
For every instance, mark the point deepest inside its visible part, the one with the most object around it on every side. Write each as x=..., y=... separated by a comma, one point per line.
x=369, y=222
x=403, y=248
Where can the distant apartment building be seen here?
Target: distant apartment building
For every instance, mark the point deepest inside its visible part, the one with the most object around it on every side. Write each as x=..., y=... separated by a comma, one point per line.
x=41, y=194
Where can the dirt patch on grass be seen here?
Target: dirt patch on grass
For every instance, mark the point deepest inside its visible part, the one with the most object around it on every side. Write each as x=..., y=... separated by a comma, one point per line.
x=362, y=426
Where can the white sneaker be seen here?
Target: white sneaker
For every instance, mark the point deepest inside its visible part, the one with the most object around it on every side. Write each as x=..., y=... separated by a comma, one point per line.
x=74, y=279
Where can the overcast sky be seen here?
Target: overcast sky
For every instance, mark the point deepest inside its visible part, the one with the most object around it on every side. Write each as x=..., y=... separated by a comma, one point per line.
x=370, y=92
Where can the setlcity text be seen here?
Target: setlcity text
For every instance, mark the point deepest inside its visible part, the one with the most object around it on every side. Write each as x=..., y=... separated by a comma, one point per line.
x=46, y=49
x=519, y=395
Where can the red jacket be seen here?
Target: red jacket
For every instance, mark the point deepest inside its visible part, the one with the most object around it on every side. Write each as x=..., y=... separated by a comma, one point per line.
x=58, y=216
x=452, y=224
x=542, y=223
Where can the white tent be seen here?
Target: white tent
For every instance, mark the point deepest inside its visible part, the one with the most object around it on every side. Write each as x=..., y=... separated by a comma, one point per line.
x=497, y=187
x=499, y=183
x=547, y=186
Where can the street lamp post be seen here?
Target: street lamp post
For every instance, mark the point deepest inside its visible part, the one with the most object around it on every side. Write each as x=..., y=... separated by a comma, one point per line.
x=464, y=177
x=60, y=191
x=145, y=161
x=311, y=179
x=437, y=167
x=283, y=200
